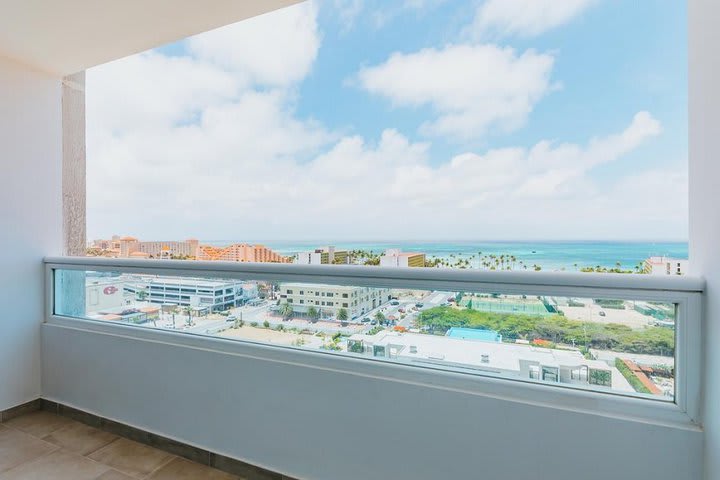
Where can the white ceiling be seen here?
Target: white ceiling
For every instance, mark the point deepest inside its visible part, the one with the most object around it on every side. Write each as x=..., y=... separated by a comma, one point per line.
x=66, y=36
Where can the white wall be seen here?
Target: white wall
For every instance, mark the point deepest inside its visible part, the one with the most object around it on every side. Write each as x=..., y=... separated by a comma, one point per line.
x=327, y=425
x=30, y=220
x=704, y=169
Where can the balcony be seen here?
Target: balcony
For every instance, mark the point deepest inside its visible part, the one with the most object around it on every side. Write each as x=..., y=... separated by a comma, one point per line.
x=159, y=391
x=286, y=392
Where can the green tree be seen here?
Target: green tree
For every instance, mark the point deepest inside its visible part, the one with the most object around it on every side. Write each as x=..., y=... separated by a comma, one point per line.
x=554, y=328
x=379, y=316
x=188, y=311
x=286, y=310
x=342, y=315
x=141, y=295
x=313, y=314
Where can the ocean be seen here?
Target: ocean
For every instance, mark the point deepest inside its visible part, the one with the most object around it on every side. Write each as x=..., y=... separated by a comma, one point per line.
x=548, y=255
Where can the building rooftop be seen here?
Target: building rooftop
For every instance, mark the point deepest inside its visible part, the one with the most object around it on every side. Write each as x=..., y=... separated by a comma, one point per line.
x=469, y=353
x=199, y=282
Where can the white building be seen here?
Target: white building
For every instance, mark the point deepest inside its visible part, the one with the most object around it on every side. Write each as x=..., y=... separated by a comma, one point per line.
x=506, y=359
x=215, y=295
x=323, y=256
x=103, y=293
x=395, y=258
x=330, y=299
x=665, y=266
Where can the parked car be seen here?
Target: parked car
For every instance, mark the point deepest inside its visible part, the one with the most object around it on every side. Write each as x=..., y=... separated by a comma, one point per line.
x=394, y=302
x=366, y=320
x=602, y=314
x=419, y=305
x=373, y=322
x=231, y=318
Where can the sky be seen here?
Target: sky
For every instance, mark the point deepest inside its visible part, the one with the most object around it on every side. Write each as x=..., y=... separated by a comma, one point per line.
x=352, y=120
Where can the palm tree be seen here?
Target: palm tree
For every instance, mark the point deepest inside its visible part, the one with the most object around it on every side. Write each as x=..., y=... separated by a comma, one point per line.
x=189, y=311
x=286, y=310
x=313, y=314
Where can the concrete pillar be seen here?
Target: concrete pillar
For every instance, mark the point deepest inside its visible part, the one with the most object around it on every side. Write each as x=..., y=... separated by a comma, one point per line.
x=704, y=171
x=73, y=172
x=71, y=284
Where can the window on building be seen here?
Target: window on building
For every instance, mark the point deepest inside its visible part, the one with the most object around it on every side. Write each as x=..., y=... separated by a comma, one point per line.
x=549, y=374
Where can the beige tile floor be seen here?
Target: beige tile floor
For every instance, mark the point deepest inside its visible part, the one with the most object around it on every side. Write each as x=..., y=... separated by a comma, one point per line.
x=42, y=445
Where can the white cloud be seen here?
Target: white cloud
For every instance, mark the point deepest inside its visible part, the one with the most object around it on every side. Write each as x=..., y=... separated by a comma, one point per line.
x=380, y=12
x=188, y=146
x=250, y=170
x=544, y=171
x=524, y=18
x=347, y=12
x=276, y=49
x=472, y=88
x=149, y=90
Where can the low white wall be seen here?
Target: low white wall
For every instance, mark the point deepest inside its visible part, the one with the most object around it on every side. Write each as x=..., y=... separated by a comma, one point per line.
x=30, y=220
x=323, y=424
x=704, y=178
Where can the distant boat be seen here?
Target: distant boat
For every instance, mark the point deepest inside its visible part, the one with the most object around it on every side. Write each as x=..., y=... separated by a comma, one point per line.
x=534, y=251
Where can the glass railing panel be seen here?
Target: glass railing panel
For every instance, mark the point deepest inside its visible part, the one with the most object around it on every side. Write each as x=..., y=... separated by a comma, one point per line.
x=612, y=345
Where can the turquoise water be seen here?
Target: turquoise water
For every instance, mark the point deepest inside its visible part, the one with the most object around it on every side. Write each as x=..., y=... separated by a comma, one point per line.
x=474, y=334
x=548, y=255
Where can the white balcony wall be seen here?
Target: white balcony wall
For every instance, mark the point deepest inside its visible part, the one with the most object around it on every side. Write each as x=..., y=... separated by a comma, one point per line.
x=323, y=424
x=30, y=219
x=704, y=175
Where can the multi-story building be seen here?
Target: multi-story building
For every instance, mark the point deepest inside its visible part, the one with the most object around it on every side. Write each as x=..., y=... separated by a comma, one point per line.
x=323, y=256
x=212, y=295
x=188, y=248
x=330, y=299
x=395, y=258
x=131, y=247
x=240, y=252
x=102, y=293
x=665, y=266
x=510, y=360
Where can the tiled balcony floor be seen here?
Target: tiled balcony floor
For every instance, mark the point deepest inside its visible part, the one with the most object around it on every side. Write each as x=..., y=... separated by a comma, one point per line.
x=41, y=445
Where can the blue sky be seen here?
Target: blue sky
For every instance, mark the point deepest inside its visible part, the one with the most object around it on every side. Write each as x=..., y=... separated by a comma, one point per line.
x=574, y=110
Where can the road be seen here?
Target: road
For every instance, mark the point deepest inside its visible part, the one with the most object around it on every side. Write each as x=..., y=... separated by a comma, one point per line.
x=260, y=314
x=407, y=303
